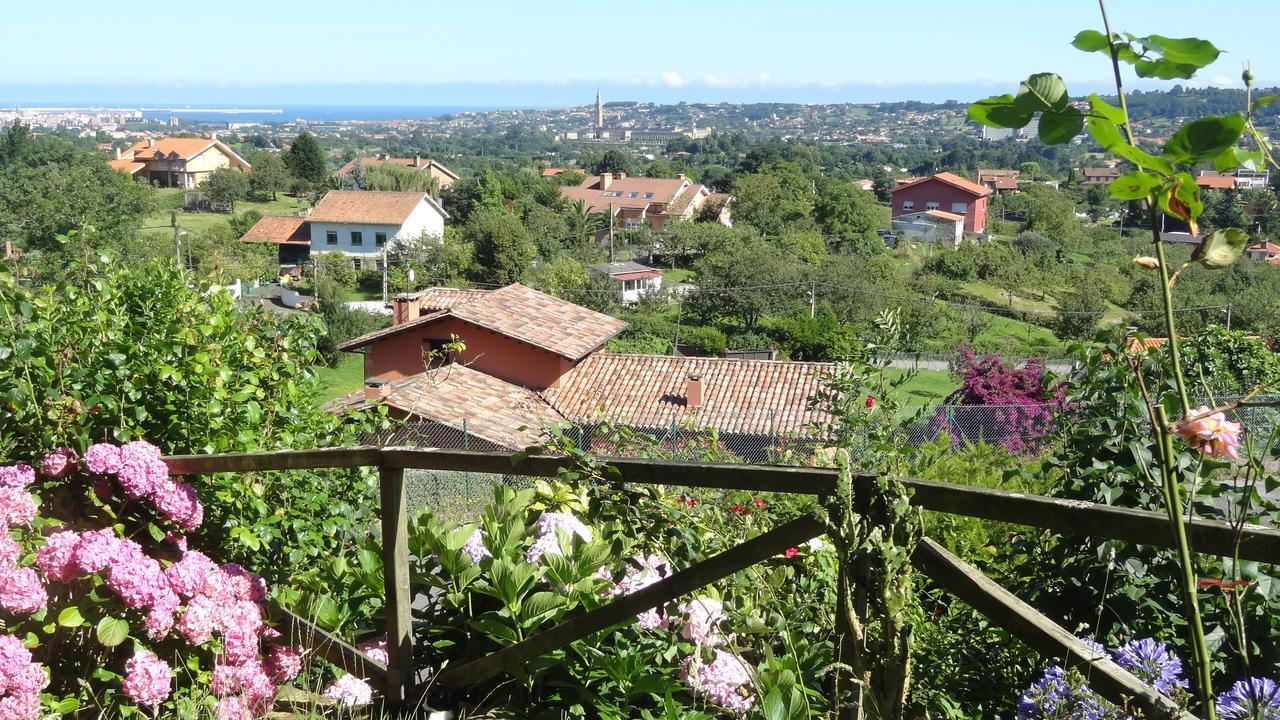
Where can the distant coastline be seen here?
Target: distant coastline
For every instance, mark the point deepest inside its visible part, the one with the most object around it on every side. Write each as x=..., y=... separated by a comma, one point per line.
x=209, y=112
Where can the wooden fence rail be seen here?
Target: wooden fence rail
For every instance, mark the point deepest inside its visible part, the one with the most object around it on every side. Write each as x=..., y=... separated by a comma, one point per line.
x=398, y=678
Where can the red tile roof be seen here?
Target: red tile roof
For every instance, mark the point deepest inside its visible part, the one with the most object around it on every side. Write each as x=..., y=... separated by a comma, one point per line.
x=952, y=180
x=364, y=206
x=186, y=148
x=442, y=298
x=458, y=397
x=755, y=397
x=279, y=230
x=129, y=166
x=1269, y=247
x=541, y=320
x=598, y=199
x=522, y=313
x=1216, y=182
x=944, y=215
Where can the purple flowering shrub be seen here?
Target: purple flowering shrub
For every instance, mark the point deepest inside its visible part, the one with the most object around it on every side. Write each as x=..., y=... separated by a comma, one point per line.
x=1065, y=694
x=1014, y=406
x=104, y=609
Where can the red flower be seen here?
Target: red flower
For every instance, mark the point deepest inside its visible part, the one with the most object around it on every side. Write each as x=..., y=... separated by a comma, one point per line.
x=758, y=502
x=871, y=401
x=791, y=552
x=692, y=501
x=737, y=509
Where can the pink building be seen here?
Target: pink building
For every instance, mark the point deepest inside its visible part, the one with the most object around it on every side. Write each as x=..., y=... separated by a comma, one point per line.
x=948, y=193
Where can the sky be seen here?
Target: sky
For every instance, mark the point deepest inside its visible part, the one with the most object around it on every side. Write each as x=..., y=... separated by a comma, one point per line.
x=546, y=53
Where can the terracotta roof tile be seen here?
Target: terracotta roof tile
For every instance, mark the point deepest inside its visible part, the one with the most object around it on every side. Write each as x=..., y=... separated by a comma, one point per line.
x=186, y=148
x=754, y=397
x=541, y=320
x=363, y=206
x=129, y=166
x=951, y=179
x=457, y=396
x=279, y=230
x=1216, y=182
x=442, y=298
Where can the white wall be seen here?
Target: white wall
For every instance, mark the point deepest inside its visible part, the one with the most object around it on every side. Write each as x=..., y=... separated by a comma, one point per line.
x=424, y=219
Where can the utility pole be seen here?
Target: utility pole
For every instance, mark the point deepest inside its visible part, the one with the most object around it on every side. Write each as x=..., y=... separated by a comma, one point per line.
x=1228, y=317
x=384, y=273
x=177, y=242
x=610, y=232
x=813, y=299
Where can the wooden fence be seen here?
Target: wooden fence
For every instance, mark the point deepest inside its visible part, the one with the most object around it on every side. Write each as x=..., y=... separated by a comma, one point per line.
x=398, y=681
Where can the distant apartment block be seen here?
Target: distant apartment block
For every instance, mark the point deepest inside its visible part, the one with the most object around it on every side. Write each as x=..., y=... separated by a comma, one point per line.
x=176, y=162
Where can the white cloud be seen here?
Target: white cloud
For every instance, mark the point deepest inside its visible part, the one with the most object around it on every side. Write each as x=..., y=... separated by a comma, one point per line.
x=673, y=79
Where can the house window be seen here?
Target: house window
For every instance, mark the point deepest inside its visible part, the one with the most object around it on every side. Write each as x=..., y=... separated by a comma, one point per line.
x=908, y=205
x=959, y=208
x=931, y=206
x=331, y=238
x=634, y=222
x=379, y=239
x=357, y=237
x=355, y=264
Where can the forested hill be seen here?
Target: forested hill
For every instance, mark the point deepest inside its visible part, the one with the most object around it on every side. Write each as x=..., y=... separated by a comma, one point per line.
x=1181, y=102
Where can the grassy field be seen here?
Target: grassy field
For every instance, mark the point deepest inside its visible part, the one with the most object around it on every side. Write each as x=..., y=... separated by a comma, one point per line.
x=927, y=387
x=171, y=198
x=678, y=275
x=347, y=377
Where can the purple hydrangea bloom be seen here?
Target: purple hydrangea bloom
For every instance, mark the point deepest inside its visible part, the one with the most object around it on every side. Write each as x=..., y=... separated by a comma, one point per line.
x=1153, y=663
x=1250, y=699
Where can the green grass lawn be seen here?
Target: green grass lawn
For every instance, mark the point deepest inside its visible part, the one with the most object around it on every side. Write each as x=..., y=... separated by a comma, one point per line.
x=171, y=198
x=347, y=377
x=927, y=387
x=678, y=275
x=995, y=296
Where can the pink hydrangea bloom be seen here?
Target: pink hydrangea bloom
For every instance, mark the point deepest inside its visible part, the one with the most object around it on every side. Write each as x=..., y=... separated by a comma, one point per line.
x=641, y=573
x=178, y=503
x=56, y=463
x=376, y=649
x=21, y=591
x=474, y=547
x=96, y=550
x=350, y=691
x=236, y=583
x=16, y=476
x=198, y=620
x=188, y=576
x=56, y=559
x=239, y=644
x=137, y=578
x=103, y=459
x=724, y=681
x=140, y=450
x=178, y=541
x=17, y=507
x=233, y=707
x=20, y=681
x=250, y=680
x=547, y=533
x=1213, y=435
x=9, y=552
x=140, y=478
x=163, y=614
x=148, y=679
x=284, y=662
x=702, y=622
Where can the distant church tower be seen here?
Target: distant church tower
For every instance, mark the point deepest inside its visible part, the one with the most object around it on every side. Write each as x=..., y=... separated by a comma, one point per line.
x=599, y=109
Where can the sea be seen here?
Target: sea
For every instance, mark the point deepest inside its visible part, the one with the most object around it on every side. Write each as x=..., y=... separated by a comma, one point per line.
x=311, y=113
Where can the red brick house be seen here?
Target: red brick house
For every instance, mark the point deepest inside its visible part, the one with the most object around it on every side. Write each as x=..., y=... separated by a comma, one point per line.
x=532, y=360
x=946, y=192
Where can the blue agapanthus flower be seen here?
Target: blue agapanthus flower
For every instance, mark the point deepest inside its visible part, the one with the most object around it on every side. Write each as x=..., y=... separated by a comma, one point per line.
x=1153, y=663
x=1251, y=699
x=1047, y=697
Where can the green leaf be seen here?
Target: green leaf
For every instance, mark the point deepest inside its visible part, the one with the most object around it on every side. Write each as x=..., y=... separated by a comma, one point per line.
x=1234, y=157
x=70, y=617
x=1163, y=69
x=1182, y=198
x=1134, y=186
x=1183, y=51
x=774, y=706
x=1091, y=41
x=999, y=111
x=112, y=631
x=1220, y=248
x=1204, y=139
x=1098, y=106
x=1058, y=127
x=1042, y=92
x=1265, y=100
x=540, y=603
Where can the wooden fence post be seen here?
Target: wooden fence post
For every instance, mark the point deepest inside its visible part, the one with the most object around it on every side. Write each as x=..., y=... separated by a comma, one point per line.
x=395, y=579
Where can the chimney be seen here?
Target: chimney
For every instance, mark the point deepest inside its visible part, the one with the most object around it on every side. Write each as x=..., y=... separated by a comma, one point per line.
x=116, y=152
x=680, y=176
x=151, y=142
x=376, y=388
x=405, y=308
x=417, y=161
x=693, y=391
x=622, y=176
x=606, y=179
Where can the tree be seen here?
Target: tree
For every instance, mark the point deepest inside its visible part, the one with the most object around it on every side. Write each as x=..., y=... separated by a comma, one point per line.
x=396, y=178
x=269, y=175
x=15, y=143
x=882, y=184
x=1052, y=214
x=1223, y=210
x=225, y=187
x=561, y=277
x=1033, y=245
x=502, y=247
x=744, y=282
x=1078, y=315
x=851, y=216
x=612, y=161
x=306, y=160
x=777, y=198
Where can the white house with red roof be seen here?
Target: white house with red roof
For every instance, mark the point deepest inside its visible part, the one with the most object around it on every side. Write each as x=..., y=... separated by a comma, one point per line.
x=632, y=279
x=1264, y=252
